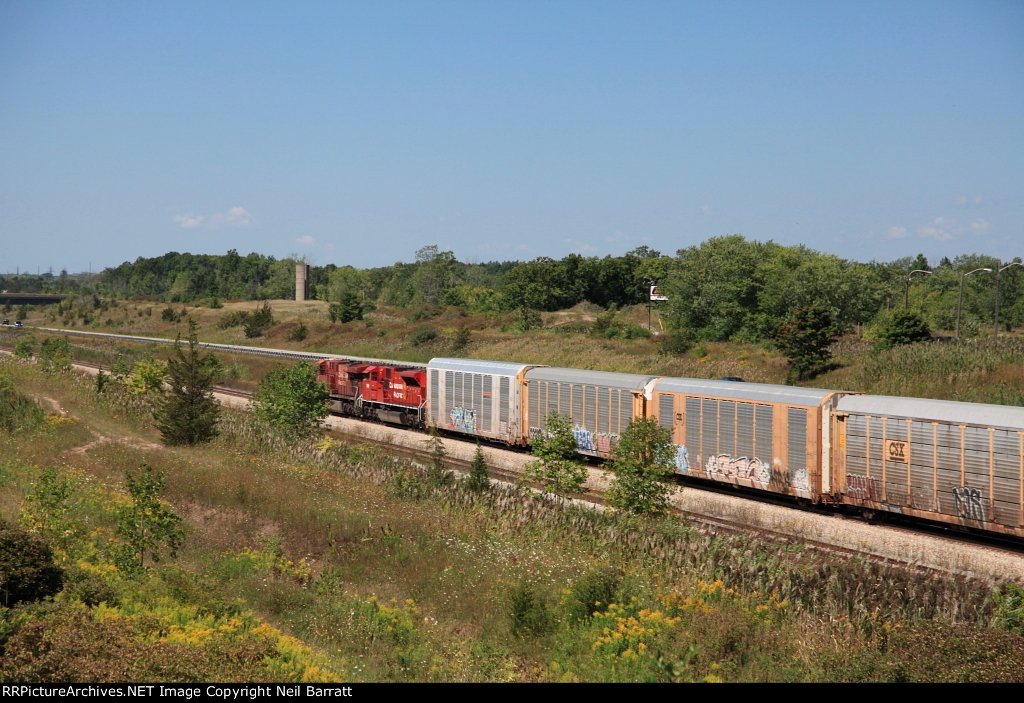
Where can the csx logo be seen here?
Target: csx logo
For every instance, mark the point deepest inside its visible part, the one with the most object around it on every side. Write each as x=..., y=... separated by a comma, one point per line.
x=896, y=450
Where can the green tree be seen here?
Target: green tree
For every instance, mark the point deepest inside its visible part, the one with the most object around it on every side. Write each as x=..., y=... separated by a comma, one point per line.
x=642, y=459
x=51, y=509
x=146, y=525
x=188, y=413
x=478, y=479
x=348, y=309
x=805, y=340
x=435, y=274
x=291, y=399
x=900, y=327
x=557, y=466
x=437, y=472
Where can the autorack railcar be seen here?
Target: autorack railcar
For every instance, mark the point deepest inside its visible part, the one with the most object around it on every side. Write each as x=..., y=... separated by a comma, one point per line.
x=952, y=462
x=479, y=398
x=599, y=404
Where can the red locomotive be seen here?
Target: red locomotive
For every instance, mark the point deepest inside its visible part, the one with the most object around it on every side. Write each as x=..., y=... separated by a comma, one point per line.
x=388, y=393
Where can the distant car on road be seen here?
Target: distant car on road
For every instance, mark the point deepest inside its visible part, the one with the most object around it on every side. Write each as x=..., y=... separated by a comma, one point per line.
x=17, y=323
x=7, y=323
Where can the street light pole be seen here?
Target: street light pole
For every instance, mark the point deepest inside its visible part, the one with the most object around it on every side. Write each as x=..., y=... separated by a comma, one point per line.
x=995, y=316
x=906, y=288
x=960, y=299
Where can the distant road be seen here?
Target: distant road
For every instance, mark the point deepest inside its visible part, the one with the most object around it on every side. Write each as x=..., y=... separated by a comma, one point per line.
x=30, y=298
x=260, y=351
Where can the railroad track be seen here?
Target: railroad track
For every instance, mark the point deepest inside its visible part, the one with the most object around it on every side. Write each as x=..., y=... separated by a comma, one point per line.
x=709, y=523
x=235, y=348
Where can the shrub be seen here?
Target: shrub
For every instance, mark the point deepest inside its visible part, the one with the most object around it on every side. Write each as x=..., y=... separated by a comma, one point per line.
x=27, y=569
x=1008, y=600
x=298, y=332
x=642, y=459
x=557, y=464
x=422, y=336
x=900, y=327
x=528, y=614
x=55, y=354
x=25, y=347
x=89, y=587
x=635, y=331
x=592, y=593
x=146, y=525
x=169, y=314
x=147, y=376
x=256, y=323
x=232, y=319
x=478, y=479
x=461, y=340
x=291, y=399
x=17, y=412
x=677, y=342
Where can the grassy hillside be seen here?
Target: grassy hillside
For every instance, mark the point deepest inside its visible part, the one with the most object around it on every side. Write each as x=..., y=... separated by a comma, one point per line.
x=329, y=561
x=978, y=370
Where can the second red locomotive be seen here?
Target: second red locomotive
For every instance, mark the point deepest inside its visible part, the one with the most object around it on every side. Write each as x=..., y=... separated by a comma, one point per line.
x=393, y=394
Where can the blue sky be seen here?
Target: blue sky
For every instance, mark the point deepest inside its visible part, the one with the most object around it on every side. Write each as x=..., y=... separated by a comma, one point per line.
x=354, y=133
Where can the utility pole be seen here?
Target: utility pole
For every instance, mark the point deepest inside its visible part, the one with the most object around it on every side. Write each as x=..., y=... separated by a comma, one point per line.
x=960, y=298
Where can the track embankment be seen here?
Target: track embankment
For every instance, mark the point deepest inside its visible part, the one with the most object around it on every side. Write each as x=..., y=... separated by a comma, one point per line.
x=831, y=533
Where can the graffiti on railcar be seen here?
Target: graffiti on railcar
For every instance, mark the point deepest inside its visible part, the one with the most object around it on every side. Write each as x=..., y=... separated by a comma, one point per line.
x=924, y=499
x=587, y=441
x=896, y=497
x=969, y=503
x=584, y=440
x=463, y=419
x=682, y=461
x=862, y=488
x=725, y=467
x=799, y=480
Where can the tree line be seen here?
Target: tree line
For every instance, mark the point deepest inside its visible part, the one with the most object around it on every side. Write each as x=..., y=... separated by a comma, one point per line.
x=726, y=288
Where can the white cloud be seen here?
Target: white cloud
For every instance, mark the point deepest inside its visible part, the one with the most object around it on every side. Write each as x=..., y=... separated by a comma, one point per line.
x=305, y=241
x=233, y=217
x=980, y=225
x=942, y=229
x=896, y=232
x=189, y=221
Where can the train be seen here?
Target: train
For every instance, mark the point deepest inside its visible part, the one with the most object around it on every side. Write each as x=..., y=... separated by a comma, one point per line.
x=949, y=462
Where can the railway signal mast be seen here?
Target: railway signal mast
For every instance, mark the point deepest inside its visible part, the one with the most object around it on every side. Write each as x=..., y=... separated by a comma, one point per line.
x=654, y=295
